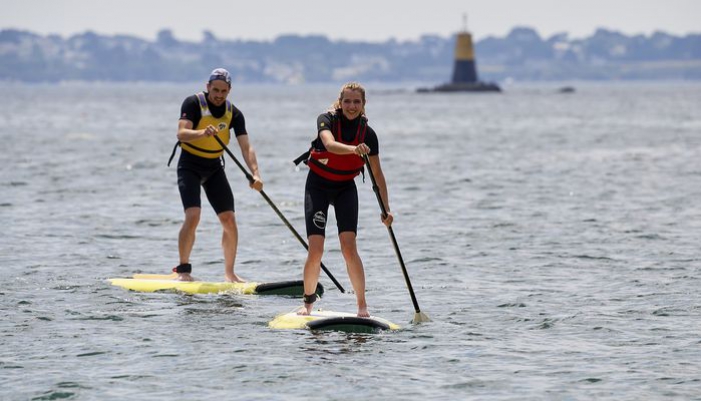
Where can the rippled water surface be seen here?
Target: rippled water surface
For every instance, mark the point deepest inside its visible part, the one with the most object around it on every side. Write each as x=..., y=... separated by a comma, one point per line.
x=552, y=238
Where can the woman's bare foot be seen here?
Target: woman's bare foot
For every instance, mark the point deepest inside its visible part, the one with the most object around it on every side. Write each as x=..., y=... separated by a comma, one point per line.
x=233, y=278
x=363, y=312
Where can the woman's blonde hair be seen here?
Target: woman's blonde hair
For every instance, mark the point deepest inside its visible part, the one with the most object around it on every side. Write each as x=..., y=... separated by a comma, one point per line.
x=354, y=86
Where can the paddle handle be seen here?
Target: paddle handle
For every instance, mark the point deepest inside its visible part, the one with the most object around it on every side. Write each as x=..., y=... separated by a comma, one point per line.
x=376, y=189
x=248, y=175
x=250, y=179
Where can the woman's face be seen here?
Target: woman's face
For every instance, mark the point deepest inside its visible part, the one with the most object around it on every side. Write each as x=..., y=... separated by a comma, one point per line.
x=352, y=103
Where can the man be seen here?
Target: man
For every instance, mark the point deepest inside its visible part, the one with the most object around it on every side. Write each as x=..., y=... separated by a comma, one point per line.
x=203, y=116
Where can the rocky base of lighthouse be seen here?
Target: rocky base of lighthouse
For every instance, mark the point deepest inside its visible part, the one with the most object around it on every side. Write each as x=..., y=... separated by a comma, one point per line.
x=463, y=87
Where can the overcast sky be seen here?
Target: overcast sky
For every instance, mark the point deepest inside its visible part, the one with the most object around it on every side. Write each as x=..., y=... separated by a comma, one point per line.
x=371, y=20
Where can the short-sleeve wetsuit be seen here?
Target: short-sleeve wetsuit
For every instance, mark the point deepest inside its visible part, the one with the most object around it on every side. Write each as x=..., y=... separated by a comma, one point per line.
x=195, y=171
x=320, y=192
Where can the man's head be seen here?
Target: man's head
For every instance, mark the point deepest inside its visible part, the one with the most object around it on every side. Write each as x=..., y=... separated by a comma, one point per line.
x=218, y=86
x=220, y=74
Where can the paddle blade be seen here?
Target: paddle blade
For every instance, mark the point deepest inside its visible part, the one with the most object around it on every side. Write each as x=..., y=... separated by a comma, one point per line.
x=420, y=317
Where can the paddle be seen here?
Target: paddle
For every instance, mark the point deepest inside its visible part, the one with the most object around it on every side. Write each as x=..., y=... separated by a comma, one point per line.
x=418, y=316
x=249, y=177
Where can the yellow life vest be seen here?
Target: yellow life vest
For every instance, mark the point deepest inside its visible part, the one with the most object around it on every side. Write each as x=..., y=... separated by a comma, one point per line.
x=209, y=147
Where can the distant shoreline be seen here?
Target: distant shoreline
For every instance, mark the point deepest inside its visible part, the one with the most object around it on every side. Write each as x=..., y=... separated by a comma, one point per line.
x=521, y=56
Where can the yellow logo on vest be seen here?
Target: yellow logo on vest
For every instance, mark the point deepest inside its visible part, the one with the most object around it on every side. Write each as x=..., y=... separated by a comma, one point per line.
x=221, y=126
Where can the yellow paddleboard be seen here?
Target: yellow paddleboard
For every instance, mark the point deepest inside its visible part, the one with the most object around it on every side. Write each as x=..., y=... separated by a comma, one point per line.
x=189, y=287
x=330, y=320
x=153, y=284
x=171, y=276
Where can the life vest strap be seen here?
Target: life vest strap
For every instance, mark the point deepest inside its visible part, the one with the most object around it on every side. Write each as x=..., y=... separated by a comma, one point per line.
x=202, y=149
x=172, y=155
x=328, y=169
x=175, y=148
x=304, y=157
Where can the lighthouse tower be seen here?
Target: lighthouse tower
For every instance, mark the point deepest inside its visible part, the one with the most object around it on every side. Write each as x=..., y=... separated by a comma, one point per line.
x=464, y=68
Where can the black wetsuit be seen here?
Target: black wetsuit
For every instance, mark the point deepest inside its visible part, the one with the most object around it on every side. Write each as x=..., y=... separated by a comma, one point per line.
x=320, y=192
x=195, y=171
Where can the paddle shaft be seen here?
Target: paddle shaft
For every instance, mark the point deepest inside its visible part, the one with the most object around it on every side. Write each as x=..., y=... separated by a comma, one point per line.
x=376, y=189
x=250, y=179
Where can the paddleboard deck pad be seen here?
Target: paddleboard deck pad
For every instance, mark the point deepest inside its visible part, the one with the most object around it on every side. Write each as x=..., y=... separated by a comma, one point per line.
x=330, y=320
x=154, y=284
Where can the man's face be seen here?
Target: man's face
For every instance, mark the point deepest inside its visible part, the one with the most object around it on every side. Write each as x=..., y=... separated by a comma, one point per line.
x=218, y=91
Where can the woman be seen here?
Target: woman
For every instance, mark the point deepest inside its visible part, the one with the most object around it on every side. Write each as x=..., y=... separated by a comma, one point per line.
x=334, y=161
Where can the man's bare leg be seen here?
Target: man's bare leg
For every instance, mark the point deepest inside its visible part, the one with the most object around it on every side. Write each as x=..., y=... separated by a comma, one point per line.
x=186, y=239
x=229, y=243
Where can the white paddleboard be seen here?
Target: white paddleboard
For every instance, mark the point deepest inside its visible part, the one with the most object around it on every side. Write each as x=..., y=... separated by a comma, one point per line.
x=331, y=320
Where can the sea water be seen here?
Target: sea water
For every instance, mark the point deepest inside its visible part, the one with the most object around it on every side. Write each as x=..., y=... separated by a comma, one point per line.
x=552, y=238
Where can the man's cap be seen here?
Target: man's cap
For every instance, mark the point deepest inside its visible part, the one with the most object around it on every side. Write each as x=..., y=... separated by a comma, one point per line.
x=220, y=74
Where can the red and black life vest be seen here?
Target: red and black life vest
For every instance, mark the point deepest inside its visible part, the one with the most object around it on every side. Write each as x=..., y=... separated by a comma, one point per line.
x=333, y=166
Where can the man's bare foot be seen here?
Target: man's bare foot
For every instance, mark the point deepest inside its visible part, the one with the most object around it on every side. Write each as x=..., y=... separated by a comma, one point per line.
x=184, y=277
x=363, y=312
x=306, y=310
x=233, y=278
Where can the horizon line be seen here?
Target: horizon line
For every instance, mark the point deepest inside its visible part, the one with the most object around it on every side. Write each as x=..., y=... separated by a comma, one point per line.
x=206, y=33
